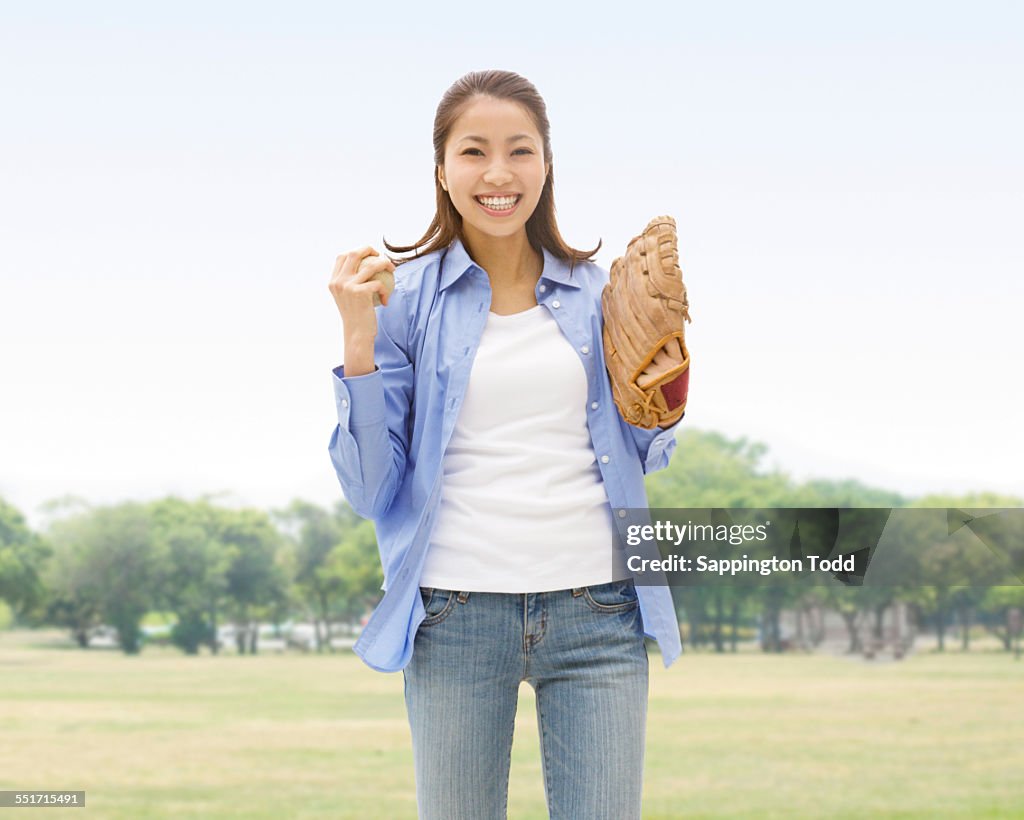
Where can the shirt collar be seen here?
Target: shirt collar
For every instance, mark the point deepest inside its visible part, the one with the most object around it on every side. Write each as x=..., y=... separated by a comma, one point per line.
x=457, y=261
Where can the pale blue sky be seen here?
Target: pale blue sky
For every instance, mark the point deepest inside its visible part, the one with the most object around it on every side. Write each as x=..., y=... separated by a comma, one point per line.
x=175, y=183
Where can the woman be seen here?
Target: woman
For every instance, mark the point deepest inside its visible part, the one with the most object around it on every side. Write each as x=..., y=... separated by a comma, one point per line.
x=476, y=427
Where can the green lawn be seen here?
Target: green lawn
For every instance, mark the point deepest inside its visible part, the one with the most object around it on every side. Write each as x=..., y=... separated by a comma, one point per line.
x=747, y=735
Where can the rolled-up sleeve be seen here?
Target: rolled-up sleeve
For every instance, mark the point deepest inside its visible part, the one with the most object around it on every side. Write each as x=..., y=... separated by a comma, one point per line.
x=369, y=445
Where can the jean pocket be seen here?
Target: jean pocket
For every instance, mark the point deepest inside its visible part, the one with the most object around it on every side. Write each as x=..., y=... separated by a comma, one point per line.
x=437, y=603
x=615, y=596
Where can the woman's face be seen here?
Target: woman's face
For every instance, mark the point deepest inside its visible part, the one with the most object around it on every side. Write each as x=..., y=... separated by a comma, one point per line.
x=494, y=167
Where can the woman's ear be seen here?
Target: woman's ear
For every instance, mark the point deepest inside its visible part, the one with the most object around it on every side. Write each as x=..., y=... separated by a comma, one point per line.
x=440, y=177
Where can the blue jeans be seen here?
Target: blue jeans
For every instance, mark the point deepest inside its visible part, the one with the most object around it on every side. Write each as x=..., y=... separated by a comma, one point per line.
x=582, y=650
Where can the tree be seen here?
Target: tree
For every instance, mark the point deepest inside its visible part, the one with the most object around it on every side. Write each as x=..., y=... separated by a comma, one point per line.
x=713, y=471
x=975, y=559
x=73, y=597
x=108, y=568
x=315, y=534
x=194, y=584
x=22, y=556
x=710, y=470
x=355, y=568
x=256, y=577
x=996, y=606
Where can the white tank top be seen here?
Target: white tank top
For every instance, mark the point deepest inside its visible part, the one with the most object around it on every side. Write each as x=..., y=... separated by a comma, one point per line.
x=523, y=506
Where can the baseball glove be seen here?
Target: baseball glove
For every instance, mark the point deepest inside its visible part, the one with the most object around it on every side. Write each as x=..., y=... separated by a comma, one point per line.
x=644, y=306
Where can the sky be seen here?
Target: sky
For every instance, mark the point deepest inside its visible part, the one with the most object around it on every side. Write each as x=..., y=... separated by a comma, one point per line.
x=177, y=180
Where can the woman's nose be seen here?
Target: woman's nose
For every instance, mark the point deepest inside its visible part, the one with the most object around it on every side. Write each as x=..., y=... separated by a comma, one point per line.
x=497, y=173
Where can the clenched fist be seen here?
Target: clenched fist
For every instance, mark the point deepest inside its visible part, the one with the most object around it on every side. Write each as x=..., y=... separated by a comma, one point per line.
x=361, y=279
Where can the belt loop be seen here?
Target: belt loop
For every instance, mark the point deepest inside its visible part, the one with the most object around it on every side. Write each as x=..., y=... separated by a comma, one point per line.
x=577, y=592
x=463, y=597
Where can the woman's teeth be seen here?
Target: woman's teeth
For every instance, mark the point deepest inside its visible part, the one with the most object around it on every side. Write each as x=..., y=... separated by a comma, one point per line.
x=500, y=203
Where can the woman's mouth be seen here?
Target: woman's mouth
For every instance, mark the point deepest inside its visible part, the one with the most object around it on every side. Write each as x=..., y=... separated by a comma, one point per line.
x=499, y=205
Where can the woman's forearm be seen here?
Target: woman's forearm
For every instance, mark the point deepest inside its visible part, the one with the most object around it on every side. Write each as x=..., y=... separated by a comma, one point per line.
x=359, y=356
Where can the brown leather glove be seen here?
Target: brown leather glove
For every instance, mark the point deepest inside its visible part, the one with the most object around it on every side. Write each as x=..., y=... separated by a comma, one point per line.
x=644, y=306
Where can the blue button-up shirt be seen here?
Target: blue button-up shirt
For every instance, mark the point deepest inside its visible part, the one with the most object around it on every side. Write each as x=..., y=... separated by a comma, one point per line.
x=395, y=423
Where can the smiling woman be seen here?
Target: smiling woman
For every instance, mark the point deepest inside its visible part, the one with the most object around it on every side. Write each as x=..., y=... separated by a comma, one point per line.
x=501, y=173
x=476, y=426
x=491, y=136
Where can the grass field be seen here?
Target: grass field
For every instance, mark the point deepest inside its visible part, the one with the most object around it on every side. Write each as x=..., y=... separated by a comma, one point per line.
x=277, y=736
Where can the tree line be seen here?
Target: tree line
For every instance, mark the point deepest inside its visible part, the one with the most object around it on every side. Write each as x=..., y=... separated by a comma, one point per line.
x=710, y=470
x=208, y=565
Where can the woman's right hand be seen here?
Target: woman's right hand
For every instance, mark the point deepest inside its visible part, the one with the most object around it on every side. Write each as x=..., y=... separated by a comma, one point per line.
x=353, y=287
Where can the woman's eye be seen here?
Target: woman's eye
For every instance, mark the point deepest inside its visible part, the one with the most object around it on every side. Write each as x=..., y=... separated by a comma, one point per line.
x=522, y=151
x=473, y=151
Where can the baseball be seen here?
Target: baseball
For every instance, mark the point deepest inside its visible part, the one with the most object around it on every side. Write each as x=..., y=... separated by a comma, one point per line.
x=385, y=276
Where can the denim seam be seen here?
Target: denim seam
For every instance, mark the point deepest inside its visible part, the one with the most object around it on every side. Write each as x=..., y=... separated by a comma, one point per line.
x=432, y=620
x=609, y=608
x=543, y=624
x=508, y=762
x=545, y=750
x=526, y=638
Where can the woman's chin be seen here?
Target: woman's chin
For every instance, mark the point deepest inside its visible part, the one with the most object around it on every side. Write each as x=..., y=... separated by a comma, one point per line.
x=493, y=229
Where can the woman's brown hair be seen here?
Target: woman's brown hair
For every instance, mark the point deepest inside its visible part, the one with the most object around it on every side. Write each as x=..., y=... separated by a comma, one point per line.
x=541, y=228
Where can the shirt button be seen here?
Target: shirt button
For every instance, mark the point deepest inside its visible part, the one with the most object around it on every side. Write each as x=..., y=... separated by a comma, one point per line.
x=593, y=405
x=604, y=459
x=585, y=349
x=542, y=288
x=622, y=513
x=344, y=402
x=556, y=304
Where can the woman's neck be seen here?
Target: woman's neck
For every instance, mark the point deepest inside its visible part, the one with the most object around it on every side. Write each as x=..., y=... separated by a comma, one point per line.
x=508, y=260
